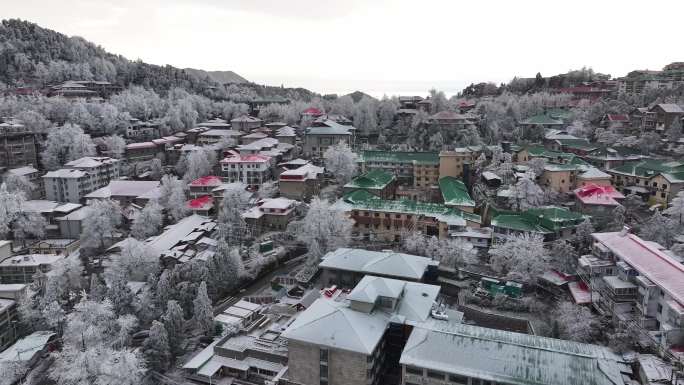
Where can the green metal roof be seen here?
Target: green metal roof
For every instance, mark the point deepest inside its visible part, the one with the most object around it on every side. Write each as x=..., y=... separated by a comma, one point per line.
x=363, y=200
x=580, y=144
x=400, y=157
x=455, y=192
x=373, y=180
x=542, y=220
x=649, y=168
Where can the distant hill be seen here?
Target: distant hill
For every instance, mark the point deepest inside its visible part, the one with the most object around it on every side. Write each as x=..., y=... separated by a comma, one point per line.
x=358, y=95
x=222, y=77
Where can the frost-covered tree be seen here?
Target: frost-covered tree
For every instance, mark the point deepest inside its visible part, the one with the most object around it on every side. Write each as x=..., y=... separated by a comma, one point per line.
x=583, y=238
x=235, y=202
x=660, y=229
x=676, y=209
x=199, y=163
x=387, y=109
x=120, y=295
x=365, y=115
x=203, y=311
x=172, y=197
x=480, y=163
x=527, y=194
x=29, y=224
x=456, y=253
x=439, y=101
x=156, y=168
x=323, y=229
x=436, y=142
x=148, y=222
x=618, y=217
x=520, y=257
x=135, y=262
x=225, y=268
x=341, y=161
x=10, y=206
x=268, y=190
x=90, y=354
x=563, y=256
x=156, y=347
x=66, y=144
x=537, y=165
x=99, y=226
x=175, y=326
x=116, y=146
x=19, y=183
x=576, y=323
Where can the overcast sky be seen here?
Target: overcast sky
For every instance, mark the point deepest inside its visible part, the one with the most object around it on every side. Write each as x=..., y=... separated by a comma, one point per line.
x=377, y=45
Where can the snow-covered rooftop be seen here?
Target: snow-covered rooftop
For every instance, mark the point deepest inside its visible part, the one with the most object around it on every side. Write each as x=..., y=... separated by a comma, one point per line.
x=389, y=263
x=123, y=188
x=27, y=347
x=648, y=260
x=31, y=260
x=511, y=358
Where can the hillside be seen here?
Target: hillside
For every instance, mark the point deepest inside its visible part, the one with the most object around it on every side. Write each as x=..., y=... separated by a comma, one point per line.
x=32, y=56
x=221, y=77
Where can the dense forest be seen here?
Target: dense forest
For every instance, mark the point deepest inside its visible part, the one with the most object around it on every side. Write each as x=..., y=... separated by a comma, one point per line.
x=32, y=56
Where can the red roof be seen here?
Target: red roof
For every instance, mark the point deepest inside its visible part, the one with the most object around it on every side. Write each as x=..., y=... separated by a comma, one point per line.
x=312, y=111
x=210, y=180
x=249, y=158
x=203, y=202
x=618, y=118
x=598, y=194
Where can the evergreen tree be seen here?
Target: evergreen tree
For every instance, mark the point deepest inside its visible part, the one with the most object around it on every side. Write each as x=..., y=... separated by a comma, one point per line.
x=174, y=324
x=156, y=347
x=203, y=311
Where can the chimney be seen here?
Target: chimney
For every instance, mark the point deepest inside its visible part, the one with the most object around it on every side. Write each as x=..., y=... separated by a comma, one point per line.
x=625, y=230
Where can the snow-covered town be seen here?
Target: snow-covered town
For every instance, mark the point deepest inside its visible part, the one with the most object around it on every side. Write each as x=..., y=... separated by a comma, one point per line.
x=161, y=225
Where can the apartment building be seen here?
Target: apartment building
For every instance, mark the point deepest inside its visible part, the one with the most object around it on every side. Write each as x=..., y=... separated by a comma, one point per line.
x=564, y=178
x=79, y=178
x=377, y=182
x=473, y=355
x=8, y=318
x=21, y=268
x=18, y=145
x=549, y=222
x=638, y=283
x=204, y=185
x=388, y=219
x=655, y=180
x=301, y=183
x=322, y=135
x=270, y=215
x=455, y=162
x=252, y=169
x=636, y=82
x=357, y=338
x=414, y=169
x=346, y=267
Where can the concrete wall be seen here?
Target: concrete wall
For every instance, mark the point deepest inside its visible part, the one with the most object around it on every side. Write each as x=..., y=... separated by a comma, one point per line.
x=304, y=363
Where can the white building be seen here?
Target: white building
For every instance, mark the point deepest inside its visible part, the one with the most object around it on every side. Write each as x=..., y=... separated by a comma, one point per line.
x=80, y=177
x=638, y=283
x=249, y=169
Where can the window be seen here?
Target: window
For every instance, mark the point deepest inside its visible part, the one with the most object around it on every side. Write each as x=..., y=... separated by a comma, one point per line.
x=324, y=355
x=435, y=374
x=458, y=379
x=414, y=371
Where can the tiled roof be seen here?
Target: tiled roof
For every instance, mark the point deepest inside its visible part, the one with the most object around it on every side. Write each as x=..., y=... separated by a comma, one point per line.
x=201, y=203
x=598, y=195
x=210, y=180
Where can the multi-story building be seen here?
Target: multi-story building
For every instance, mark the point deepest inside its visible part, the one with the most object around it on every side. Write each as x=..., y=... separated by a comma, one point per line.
x=301, y=183
x=252, y=169
x=18, y=145
x=286, y=134
x=33, y=176
x=204, y=185
x=346, y=267
x=415, y=169
x=246, y=123
x=564, y=178
x=79, y=178
x=8, y=320
x=126, y=192
x=656, y=180
x=450, y=120
x=473, y=355
x=377, y=182
x=322, y=135
x=549, y=222
x=357, y=339
x=667, y=114
x=638, y=283
x=599, y=201
x=270, y=215
x=21, y=268
x=636, y=82
x=455, y=162
x=388, y=219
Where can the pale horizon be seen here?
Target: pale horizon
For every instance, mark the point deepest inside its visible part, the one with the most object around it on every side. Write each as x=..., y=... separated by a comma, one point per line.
x=377, y=47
